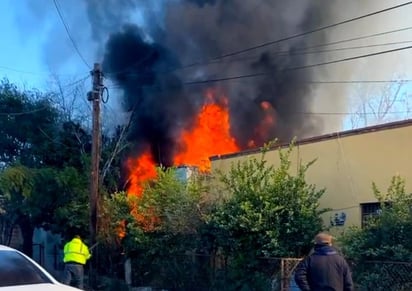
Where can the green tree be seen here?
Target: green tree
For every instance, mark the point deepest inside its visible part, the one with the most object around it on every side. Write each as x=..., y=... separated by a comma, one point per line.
x=27, y=119
x=268, y=212
x=43, y=174
x=160, y=228
x=50, y=198
x=385, y=237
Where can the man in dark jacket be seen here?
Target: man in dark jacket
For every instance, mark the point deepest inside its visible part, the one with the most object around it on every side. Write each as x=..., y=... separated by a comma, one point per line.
x=324, y=269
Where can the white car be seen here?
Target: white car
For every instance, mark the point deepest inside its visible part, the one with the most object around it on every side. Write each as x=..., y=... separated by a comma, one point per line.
x=19, y=272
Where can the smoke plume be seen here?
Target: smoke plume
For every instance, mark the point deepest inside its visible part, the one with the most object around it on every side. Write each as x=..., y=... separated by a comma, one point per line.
x=153, y=64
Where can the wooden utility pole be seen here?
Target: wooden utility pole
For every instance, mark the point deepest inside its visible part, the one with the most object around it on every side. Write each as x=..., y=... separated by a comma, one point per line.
x=94, y=97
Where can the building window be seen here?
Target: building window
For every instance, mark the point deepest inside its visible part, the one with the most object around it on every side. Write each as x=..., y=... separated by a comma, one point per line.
x=370, y=210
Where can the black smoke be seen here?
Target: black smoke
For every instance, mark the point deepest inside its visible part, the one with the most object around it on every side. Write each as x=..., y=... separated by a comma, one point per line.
x=157, y=101
x=181, y=42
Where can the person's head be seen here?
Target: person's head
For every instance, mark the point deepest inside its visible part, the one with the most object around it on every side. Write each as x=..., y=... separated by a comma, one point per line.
x=323, y=238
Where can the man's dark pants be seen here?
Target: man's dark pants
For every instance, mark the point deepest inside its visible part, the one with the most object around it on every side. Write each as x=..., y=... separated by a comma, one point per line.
x=73, y=273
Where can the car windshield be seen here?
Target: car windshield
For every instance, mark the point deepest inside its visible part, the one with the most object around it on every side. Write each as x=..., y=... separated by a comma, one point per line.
x=15, y=269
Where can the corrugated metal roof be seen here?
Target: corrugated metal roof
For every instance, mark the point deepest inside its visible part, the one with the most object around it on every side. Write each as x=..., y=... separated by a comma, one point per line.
x=374, y=128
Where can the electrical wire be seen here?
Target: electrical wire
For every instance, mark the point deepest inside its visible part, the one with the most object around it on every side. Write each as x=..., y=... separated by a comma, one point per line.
x=69, y=34
x=360, y=81
x=308, y=52
x=293, y=68
x=47, y=73
x=215, y=59
x=46, y=107
x=303, y=51
x=310, y=82
x=23, y=71
x=139, y=62
x=150, y=54
x=294, y=52
x=23, y=112
x=358, y=38
x=76, y=82
x=350, y=113
x=311, y=31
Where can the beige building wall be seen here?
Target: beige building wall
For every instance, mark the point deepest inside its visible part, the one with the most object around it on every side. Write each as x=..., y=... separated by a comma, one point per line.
x=347, y=164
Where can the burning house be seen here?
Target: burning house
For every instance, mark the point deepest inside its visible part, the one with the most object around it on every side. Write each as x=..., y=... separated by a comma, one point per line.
x=192, y=92
x=202, y=78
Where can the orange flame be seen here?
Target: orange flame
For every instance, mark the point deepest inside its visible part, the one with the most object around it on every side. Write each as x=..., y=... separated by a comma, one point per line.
x=141, y=169
x=210, y=136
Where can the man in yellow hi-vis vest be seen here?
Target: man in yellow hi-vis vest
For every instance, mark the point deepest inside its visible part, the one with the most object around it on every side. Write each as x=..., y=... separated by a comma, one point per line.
x=76, y=254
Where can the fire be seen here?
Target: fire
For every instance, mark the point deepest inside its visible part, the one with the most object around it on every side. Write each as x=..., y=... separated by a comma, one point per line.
x=141, y=169
x=210, y=136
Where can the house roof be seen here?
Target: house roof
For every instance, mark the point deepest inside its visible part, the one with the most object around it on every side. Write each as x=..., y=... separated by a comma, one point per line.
x=369, y=129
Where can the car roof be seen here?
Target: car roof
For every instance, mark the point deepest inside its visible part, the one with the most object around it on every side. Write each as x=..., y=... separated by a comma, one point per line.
x=6, y=248
x=47, y=274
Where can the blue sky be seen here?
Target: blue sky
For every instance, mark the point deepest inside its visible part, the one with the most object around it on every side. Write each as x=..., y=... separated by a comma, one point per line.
x=14, y=47
x=35, y=44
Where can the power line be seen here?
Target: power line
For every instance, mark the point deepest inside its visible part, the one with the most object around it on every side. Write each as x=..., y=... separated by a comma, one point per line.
x=146, y=57
x=23, y=71
x=215, y=59
x=305, y=33
x=311, y=82
x=350, y=113
x=65, y=86
x=294, y=68
x=300, y=51
x=6, y=68
x=46, y=107
x=304, y=49
x=291, y=112
x=311, y=31
x=347, y=48
x=23, y=112
x=150, y=54
x=306, y=67
x=69, y=34
x=219, y=58
x=360, y=81
x=358, y=38
x=76, y=82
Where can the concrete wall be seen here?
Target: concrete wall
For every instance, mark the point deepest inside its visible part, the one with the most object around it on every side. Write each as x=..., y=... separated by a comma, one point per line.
x=347, y=164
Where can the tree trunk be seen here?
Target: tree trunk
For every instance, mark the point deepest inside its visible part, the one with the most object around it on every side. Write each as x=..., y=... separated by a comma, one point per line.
x=27, y=231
